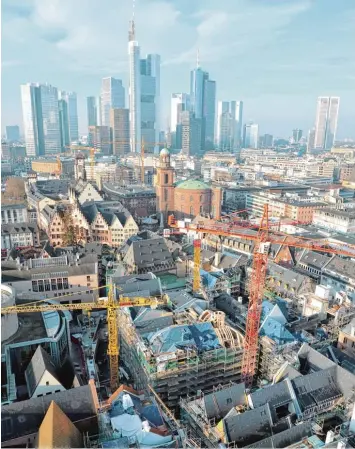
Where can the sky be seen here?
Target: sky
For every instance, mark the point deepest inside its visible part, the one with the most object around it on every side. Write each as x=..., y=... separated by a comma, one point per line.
x=277, y=56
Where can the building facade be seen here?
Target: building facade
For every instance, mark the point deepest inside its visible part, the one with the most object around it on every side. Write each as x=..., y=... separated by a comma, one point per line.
x=119, y=123
x=12, y=133
x=191, y=133
x=326, y=122
x=41, y=119
x=251, y=135
x=14, y=213
x=112, y=96
x=69, y=100
x=91, y=104
x=100, y=138
x=134, y=90
x=21, y=234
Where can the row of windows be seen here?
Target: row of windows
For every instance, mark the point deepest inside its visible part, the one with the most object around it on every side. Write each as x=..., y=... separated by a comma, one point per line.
x=47, y=285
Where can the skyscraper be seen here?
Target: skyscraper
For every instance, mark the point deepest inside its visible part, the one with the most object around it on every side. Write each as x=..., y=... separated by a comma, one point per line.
x=326, y=122
x=63, y=124
x=72, y=111
x=191, y=129
x=311, y=140
x=12, y=133
x=119, y=123
x=237, y=114
x=112, y=96
x=296, y=135
x=134, y=90
x=180, y=102
x=41, y=119
x=99, y=138
x=203, y=104
x=251, y=135
x=224, y=126
x=91, y=103
x=150, y=98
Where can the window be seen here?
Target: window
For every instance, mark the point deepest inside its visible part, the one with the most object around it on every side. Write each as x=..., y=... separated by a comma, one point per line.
x=60, y=284
x=191, y=210
x=191, y=198
x=34, y=286
x=165, y=195
x=88, y=278
x=65, y=283
x=40, y=286
x=54, y=284
x=229, y=400
x=47, y=286
x=47, y=383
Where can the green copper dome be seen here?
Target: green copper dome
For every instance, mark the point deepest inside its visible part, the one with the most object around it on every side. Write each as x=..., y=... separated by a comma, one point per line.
x=192, y=184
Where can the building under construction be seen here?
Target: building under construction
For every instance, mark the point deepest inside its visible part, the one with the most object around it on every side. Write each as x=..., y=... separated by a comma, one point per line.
x=180, y=354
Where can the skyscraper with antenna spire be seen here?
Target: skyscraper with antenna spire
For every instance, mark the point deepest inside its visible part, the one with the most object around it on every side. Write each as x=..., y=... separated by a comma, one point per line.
x=203, y=103
x=134, y=88
x=144, y=96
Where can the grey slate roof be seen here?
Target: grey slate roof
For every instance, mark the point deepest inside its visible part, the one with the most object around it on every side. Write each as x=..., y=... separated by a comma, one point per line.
x=138, y=283
x=25, y=417
x=39, y=363
x=148, y=253
x=220, y=402
x=285, y=438
x=249, y=427
x=18, y=228
x=343, y=267
x=287, y=276
x=274, y=395
x=313, y=259
x=317, y=387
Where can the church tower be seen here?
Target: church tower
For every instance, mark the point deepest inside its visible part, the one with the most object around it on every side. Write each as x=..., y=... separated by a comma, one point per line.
x=79, y=167
x=164, y=186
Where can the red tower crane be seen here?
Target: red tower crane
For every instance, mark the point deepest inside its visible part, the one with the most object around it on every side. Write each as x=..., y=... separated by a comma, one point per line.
x=263, y=240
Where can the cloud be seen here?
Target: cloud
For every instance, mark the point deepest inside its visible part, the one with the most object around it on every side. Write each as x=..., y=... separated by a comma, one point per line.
x=252, y=48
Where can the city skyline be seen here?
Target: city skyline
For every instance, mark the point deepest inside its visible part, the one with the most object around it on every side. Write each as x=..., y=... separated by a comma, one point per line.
x=242, y=66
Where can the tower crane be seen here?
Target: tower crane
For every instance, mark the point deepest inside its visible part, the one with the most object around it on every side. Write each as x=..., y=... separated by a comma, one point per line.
x=111, y=305
x=263, y=239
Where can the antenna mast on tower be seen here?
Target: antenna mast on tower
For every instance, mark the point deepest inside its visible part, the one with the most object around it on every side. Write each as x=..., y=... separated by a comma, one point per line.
x=132, y=27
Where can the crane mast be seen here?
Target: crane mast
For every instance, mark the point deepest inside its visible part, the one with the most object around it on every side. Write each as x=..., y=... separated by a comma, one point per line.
x=112, y=307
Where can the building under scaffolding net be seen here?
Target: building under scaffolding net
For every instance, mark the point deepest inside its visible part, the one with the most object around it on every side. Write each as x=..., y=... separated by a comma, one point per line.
x=183, y=358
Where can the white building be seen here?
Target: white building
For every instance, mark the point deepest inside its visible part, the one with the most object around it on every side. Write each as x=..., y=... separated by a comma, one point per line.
x=339, y=220
x=22, y=234
x=251, y=135
x=40, y=119
x=179, y=102
x=112, y=96
x=326, y=122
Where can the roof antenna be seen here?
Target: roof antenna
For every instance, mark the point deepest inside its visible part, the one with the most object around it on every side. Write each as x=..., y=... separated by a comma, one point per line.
x=132, y=28
x=198, y=59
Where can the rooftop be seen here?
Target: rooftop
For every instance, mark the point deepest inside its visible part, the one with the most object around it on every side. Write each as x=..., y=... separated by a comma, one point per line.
x=193, y=184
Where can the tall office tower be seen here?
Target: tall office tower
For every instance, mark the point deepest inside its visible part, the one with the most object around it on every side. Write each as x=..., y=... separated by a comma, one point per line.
x=203, y=104
x=99, y=138
x=64, y=124
x=134, y=90
x=41, y=119
x=191, y=130
x=225, y=124
x=91, y=103
x=12, y=133
x=311, y=140
x=112, y=96
x=266, y=141
x=251, y=135
x=296, y=135
x=150, y=99
x=237, y=114
x=326, y=122
x=119, y=123
x=180, y=102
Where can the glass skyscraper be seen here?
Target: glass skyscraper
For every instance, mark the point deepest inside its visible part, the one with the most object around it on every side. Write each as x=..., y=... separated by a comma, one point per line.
x=203, y=104
x=251, y=135
x=70, y=101
x=40, y=110
x=91, y=103
x=326, y=122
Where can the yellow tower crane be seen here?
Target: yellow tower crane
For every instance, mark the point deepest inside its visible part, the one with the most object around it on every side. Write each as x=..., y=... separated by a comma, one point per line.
x=111, y=305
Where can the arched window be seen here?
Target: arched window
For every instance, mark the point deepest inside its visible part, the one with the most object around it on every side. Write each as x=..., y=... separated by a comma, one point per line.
x=166, y=178
x=191, y=210
x=165, y=195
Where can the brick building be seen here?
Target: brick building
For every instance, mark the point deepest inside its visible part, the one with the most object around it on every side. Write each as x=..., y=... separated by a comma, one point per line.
x=185, y=199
